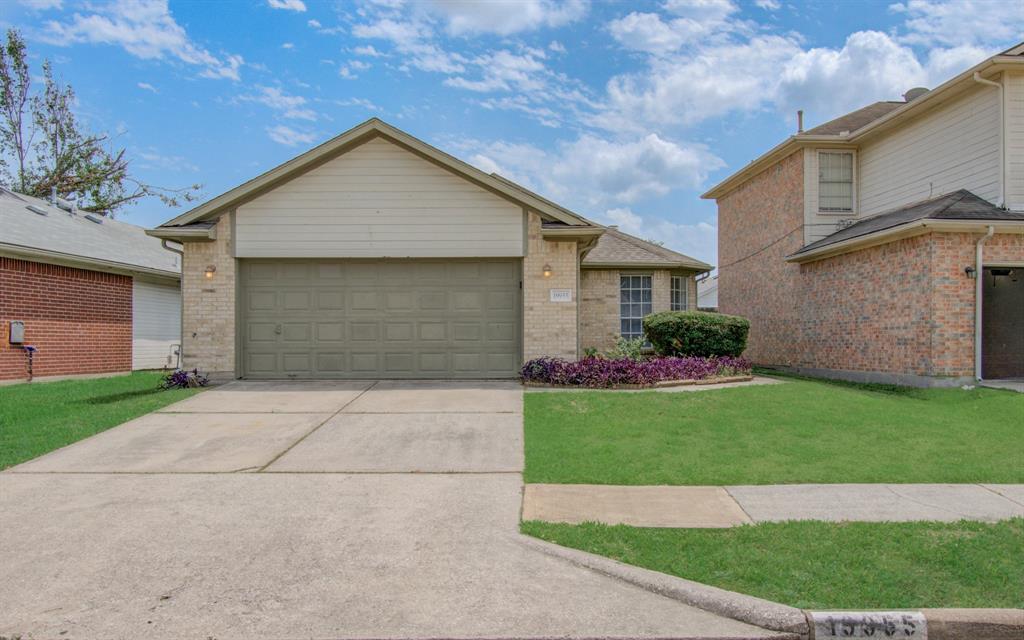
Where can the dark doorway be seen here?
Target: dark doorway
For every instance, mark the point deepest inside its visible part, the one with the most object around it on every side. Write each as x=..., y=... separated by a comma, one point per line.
x=1002, y=334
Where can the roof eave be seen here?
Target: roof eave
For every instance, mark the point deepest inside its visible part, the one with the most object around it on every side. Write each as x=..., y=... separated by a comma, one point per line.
x=572, y=233
x=353, y=137
x=791, y=144
x=84, y=262
x=184, y=234
x=906, y=230
x=699, y=267
x=782, y=150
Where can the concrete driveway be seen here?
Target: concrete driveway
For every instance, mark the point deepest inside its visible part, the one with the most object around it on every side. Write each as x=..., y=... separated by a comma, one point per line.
x=305, y=510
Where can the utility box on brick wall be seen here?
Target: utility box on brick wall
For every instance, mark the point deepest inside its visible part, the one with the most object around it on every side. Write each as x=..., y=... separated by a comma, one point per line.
x=17, y=332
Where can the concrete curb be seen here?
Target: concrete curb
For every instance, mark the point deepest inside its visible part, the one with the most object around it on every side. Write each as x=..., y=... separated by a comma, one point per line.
x=974, y=624
x=754, y=611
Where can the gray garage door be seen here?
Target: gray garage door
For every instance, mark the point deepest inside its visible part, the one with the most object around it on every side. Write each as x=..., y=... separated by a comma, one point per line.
x=389, y=318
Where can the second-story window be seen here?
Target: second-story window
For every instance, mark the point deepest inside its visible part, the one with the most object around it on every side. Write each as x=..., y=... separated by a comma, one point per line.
x=835, y=181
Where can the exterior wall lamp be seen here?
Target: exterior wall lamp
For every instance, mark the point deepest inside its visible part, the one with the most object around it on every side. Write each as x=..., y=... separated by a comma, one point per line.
x=970, y=273
x=547, y=271
x=210, y=270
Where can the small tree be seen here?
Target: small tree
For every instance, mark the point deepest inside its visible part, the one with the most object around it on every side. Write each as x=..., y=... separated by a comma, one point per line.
x=66, y=156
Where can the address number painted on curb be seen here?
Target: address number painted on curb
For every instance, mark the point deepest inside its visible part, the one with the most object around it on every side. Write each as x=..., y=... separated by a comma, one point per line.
x=869, y=624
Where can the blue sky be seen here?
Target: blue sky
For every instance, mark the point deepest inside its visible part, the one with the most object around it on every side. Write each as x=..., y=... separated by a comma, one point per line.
x=624, y=112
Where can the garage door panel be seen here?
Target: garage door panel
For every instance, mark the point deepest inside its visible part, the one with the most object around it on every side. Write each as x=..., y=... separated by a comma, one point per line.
x=356, y=319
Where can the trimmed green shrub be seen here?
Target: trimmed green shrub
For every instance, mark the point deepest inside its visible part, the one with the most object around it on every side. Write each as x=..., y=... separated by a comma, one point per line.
x=696, y=333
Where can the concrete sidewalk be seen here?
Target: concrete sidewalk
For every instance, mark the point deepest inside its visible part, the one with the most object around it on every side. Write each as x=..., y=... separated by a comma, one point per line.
x=711, y=507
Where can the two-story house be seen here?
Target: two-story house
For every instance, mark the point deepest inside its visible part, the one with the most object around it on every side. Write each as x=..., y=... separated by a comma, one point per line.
x=888, y=244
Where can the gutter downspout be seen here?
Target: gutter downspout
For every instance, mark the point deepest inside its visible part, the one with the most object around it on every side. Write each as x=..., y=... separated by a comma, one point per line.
x=979, y=282
x=1002, y=134
x=181, y=289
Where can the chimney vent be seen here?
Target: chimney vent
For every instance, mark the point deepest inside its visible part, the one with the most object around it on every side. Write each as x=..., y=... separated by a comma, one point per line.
x=915, y=93
x=800, y=121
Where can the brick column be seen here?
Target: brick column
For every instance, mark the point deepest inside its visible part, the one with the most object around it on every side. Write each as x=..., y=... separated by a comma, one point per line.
x=208, y=318
x=549, y=328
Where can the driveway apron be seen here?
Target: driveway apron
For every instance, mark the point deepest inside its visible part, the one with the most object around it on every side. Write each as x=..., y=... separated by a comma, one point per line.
x=306, y=510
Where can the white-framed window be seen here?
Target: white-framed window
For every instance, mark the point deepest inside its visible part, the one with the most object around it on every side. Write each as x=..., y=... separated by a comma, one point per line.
x=679, y=293
x=634, y=303
x=835, y=181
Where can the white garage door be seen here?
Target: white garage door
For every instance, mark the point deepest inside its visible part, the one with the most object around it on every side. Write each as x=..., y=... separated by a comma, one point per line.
x=156, y=324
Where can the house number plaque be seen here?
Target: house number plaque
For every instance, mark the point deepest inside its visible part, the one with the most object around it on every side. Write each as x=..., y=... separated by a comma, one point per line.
x=869, y=624
x=561, y=295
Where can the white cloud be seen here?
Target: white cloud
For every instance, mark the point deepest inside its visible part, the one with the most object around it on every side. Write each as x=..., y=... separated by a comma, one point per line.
x=42, y=5
x=147, y=87
x=288, y=5
x=362, y=103
x=145, y=29
x=768, y=5
x=288, y=106
x=556, y=46
x=367, y=51
x=288, y=45
x=414, y=40
x=359, y=65
x=695, y=20
x=961, y=22
x=151, y=159
x=505, y=17
x=314, y=23
x=289, y=137
x=503, y=70
x=592, y=172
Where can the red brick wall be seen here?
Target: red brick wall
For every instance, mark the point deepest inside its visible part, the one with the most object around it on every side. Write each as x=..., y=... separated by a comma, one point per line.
x=760, y=223
x=81, y=321
x=904, y=307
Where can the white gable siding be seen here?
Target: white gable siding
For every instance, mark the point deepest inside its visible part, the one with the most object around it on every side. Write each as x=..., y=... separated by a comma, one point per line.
x=377, y=201
x=954, y=147
x=1014, y=87
x=156, y=324
x=817, y=223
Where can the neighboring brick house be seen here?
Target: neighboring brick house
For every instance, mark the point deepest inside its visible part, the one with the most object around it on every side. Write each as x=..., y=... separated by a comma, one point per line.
x=888, y=244
x=90, y=295
x=377, y=255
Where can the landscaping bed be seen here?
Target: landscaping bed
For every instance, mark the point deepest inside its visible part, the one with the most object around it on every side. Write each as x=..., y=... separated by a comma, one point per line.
x=38, y=417
x=823, y=565
x=633, y=373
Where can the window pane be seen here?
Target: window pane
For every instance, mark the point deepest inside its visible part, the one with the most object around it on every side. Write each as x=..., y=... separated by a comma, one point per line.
x=634, y=295
x=646, y=295
x=624, y=282
x=835, y=181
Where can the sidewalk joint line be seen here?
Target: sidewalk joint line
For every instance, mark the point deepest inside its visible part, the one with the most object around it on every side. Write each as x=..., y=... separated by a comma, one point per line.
x=1003, y=496
x=317, y=427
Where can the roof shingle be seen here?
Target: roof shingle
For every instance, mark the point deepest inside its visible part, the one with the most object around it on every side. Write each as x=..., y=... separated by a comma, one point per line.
x=617, y=248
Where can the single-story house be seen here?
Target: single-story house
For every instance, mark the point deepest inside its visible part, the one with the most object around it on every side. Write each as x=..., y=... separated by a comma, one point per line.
x=378, y=255
x=82, y=294
x=887, y=245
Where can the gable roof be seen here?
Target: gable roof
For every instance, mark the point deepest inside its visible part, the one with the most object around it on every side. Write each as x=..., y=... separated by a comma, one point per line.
x=854, y=127
x=959, y=206
x=855, y=119
x=374, y=127
x=617, y=249
x=50, y=234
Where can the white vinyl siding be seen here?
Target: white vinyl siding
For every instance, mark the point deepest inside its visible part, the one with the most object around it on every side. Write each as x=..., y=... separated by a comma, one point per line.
x=1014, y=104
x=679, y=293
x=156, y=324
x=635, y=302
x=835, y=181
x=379, y=200
x=956, y=146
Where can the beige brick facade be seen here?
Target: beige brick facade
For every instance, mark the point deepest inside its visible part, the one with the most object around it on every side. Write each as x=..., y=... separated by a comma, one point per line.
x=208, y=304
x=549, y=328
x=599, y=302
x=902, y=311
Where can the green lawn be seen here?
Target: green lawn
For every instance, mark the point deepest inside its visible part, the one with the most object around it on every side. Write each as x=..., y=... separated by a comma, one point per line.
x=799, y=432
x=42, y=416
x=818, y=565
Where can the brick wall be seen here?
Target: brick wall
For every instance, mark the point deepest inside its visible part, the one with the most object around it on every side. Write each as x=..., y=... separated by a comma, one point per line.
x=80, y=321
x=759, y=223
x=904, y=308
x=549, y=328
x=208, y=321
x=599, y=303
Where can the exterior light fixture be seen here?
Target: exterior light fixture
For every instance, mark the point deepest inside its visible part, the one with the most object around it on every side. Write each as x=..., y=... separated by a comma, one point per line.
x=547, y=271
x=969, y=272
x=210, y=270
